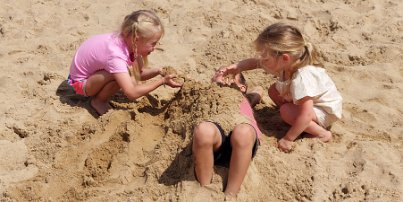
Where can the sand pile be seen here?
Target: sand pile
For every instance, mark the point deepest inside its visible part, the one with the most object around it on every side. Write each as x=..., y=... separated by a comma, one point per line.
x=55, y=148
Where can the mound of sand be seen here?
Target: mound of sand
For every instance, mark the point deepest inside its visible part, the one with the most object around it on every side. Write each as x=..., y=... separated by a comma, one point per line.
x=55, y=148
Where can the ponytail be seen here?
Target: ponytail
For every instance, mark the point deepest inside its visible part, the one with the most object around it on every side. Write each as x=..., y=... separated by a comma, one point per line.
x=311, y=55
x=283, y=38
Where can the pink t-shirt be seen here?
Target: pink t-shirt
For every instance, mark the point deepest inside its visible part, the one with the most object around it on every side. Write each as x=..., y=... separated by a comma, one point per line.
x=247, y=111
x=107, y=52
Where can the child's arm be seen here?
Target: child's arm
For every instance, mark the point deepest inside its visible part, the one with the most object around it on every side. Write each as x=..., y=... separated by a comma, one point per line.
x=148, y=73
x=304, y=117
x=243, y=65
x=133, y=91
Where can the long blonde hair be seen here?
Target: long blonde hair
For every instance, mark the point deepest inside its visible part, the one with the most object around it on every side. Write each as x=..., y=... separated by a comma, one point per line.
x=140, y=24
x=280, y=38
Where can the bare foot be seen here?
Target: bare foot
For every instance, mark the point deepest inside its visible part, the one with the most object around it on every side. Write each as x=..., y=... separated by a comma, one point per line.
x=326, y=137
x=255, y=95
x=100, y=107
x=230, y=197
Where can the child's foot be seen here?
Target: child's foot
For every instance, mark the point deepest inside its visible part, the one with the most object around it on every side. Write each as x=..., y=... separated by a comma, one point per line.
x=230, y=197
x=100, y=107
x=255, y=95
x=325, y=137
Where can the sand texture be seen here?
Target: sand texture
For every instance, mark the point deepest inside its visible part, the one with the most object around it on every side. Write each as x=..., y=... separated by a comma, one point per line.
x=53, y=147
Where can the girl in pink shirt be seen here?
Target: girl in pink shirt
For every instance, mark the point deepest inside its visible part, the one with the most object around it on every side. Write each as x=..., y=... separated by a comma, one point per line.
x=106, y=63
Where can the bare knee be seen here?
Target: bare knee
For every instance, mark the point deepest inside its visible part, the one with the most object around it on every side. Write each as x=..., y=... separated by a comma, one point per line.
x=288, y=113
x=100, y=81
x=243, y=136
x=284, y=112
x=114, y=85
x=275, y=95
x=204, y=134
x=273, y=91
x=107, y=76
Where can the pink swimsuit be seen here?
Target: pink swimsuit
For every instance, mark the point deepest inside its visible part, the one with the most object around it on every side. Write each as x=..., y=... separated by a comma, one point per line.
x=247, y=110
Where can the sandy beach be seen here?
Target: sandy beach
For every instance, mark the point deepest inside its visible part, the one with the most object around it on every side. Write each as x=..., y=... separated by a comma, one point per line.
x=53, y=146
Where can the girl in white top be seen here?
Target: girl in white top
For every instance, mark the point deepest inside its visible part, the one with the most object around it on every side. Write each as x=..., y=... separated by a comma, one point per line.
x=307, y=97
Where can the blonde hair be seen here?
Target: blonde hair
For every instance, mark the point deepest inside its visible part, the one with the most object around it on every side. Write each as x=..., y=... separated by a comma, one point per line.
x=140, y=24
x=280, y=38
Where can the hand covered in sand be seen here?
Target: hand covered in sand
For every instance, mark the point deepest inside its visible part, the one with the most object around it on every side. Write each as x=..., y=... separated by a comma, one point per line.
x=167, y=70
x=169, y=73
x=284, y=145
x=218, y=76
x=231, y=69
x=221, y=78
x=169, y=80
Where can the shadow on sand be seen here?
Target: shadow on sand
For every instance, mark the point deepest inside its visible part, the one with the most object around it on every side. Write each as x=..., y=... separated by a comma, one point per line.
x=68, y=96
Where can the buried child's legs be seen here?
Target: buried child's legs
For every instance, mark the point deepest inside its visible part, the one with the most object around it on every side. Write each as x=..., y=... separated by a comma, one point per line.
x=243, y=138
x=206, y=139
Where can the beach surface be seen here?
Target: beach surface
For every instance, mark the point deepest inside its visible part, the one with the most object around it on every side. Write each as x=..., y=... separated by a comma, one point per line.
x=53, y=146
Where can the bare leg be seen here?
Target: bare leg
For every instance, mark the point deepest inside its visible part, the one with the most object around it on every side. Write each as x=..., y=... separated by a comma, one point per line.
x=290, y=111
x=206, y=139
x=242, y=140
x=275, y=96
x=100, y=101
x=102, y=86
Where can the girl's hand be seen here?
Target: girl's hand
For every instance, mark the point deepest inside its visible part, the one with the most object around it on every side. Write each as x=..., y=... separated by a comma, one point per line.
x=231, y=69
x=219, y=76
x=284, y=145
x=167, y=70
x=169, y=80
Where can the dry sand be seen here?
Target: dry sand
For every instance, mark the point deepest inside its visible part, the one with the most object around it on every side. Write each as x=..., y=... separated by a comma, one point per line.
x=54, y=148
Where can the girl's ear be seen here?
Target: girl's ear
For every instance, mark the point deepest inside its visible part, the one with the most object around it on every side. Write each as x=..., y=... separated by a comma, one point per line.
x=286, y=57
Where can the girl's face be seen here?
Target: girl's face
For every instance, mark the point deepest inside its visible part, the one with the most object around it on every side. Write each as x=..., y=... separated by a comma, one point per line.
x=270, y=62
x=146, y=46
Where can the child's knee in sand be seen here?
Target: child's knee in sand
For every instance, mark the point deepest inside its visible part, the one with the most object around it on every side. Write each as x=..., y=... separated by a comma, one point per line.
x=243, y=136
